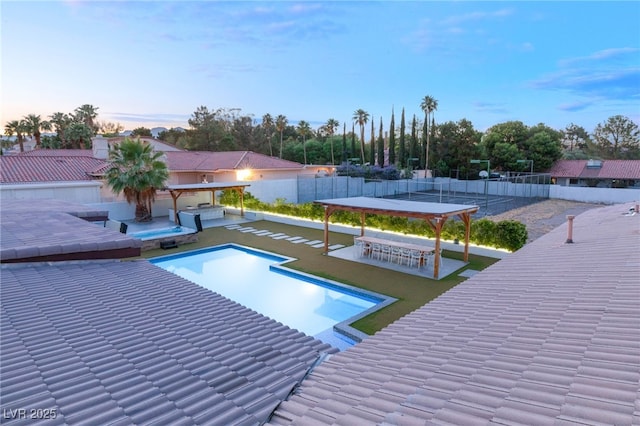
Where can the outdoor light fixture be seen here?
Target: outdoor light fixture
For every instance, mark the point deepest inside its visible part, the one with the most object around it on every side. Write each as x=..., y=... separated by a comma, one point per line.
x=486, y=183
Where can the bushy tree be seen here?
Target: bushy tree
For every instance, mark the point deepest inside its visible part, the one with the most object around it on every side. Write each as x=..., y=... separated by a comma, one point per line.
x=141, y=132
x=618, y=137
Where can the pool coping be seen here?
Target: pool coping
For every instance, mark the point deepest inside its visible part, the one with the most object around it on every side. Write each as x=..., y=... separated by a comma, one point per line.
x=344, y=327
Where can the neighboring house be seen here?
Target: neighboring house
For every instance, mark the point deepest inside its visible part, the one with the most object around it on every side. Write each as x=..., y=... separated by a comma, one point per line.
x=73, y=175
x=230, y=166
x=157, y=145
x=57, y=166
x=596, y=173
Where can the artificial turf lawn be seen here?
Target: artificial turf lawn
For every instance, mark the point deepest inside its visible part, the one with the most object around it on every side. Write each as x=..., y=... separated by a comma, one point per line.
x=411, y=291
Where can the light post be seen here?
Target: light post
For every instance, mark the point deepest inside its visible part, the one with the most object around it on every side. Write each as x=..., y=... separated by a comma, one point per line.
x=526, y=161
x=530, y=173
x=486, y=183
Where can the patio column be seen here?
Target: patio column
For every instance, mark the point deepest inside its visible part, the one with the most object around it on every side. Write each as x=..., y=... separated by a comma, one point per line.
x=436, y=262
x=362, y=218
x=174, y=196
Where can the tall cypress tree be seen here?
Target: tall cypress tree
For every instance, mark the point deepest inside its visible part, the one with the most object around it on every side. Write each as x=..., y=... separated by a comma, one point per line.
x=392, y=140
x=402, y=149
x=372, y=145
x=413, y=144
x=380, y=145
x=344, y=142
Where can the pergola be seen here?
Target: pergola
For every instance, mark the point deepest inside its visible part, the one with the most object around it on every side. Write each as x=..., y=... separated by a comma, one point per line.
x=177, y=190
x=435, y=214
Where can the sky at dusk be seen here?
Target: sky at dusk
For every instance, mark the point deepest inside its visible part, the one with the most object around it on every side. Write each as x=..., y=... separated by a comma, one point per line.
x=153, y=63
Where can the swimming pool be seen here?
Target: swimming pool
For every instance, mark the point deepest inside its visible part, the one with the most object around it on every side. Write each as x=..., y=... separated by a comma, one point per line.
x=257, y=280
x=162, y=233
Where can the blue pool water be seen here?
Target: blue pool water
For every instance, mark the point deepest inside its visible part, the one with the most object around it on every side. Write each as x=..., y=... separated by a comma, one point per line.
x=161, y=232
x=255, y=279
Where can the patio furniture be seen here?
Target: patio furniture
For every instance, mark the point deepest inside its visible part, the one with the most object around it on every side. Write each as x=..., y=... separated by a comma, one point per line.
x=381, y=250
x=376, y=251
x=395, y=254
x=385, y=252
x=416, y=258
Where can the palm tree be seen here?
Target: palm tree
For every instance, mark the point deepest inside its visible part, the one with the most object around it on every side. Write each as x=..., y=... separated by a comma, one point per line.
x=87, y=115
x=33, y=124
x=361, y=117
x=331, y=126
x=138, y=172
x=428, y=105
x=304, y=129
x=18, y=127
x=61, y=122
x=281, y=124
x=267, y=124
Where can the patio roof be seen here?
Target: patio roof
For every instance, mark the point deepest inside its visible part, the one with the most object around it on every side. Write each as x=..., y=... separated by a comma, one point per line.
x=177, y=190
x=435, y=214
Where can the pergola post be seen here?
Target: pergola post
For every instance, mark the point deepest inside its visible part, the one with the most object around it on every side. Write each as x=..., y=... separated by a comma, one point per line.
x=362, y=219
x=438, y=229
x=175, y=195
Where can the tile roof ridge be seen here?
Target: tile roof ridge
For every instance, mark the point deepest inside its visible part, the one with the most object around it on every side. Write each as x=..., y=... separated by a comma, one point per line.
x=242, y=157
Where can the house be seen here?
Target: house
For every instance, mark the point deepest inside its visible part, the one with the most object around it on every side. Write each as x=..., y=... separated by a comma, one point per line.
x=61, y=174
x=596, y=173
x=548, y=335
x=58, y=173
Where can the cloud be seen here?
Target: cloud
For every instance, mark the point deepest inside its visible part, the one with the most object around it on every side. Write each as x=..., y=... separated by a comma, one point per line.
x=575, y=106
x=148, y=118
x=493, y=108
x=456, y=20
x=611, y=74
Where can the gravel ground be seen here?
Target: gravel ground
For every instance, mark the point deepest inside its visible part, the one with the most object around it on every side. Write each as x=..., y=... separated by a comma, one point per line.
x=544, y=216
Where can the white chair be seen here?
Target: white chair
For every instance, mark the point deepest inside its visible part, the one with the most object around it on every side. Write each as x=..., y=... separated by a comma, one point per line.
x=405, y=257
x=358, y=248
x=429, y=259
x=385, y=252
x=395, y=254
x=376, y=251
x=416, y=258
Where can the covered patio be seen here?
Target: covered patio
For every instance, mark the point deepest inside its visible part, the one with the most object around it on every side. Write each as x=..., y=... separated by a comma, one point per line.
x=177, y=190
x=435, y=214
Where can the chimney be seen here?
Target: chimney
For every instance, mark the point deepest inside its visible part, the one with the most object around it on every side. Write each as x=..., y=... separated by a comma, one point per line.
x=100, y=146
x=570, y=229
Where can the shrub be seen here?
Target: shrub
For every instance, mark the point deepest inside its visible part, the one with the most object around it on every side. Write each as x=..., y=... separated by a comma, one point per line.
x=507, y=234
x=511, y=235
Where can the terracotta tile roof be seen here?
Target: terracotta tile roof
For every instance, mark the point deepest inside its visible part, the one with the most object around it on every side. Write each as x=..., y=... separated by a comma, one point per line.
x=203, y=161
x=57, y=153
x=549, y=335
x=611, y=169
x=128, y=343
x=31, y=169
x=55, y=230
x=620, y=169
x=157, y=144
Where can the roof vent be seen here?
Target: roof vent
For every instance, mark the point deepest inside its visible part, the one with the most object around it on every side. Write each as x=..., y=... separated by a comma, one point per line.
x=594, y=164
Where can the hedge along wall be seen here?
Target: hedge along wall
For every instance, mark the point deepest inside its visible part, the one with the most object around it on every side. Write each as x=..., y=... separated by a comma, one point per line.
x=507, y=234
